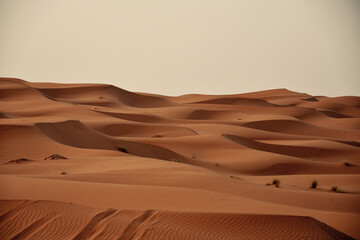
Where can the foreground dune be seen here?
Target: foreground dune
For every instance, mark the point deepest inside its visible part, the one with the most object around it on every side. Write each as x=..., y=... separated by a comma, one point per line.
x=187, y=167
x=50, y=220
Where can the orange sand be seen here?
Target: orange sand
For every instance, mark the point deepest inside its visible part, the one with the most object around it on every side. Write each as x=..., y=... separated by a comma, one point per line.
x=145, y=166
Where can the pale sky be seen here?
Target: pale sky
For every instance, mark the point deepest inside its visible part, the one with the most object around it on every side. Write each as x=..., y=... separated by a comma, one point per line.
x=185, y=46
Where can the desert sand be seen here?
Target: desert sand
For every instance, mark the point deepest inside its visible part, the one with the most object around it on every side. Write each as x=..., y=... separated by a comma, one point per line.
x=94, y=161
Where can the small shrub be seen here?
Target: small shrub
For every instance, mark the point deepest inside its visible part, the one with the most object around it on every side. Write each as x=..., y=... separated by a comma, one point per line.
x=347, y=164
x=336, y=189
x=123, y=149
x=55, y=156
x=194, y=156
x=175, y=160
x=63, y=172
x=157, y=136
x=314, y=183
x=217, y=164
x=19, y=161
x=276, y=182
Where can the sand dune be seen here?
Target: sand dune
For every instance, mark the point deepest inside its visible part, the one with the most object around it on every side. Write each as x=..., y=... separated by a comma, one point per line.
x=93, y=161
x=50, y=220
x=332, y=153
x=71, y=94
x=302, y=128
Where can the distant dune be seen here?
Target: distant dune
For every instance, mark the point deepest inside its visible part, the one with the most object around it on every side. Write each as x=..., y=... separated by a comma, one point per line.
x=93, y=161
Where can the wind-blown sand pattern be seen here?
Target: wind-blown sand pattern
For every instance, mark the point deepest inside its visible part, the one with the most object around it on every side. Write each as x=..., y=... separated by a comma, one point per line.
x=55, y=220
x=93, y=161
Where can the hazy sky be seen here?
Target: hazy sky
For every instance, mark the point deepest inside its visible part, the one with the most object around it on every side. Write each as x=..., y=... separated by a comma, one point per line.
x=185, y=46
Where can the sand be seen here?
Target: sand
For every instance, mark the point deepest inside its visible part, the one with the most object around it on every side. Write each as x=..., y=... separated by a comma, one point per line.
x=93, y=161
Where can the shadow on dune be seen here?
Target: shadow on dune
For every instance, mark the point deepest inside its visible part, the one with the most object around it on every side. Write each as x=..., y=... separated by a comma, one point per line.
x=76, y=134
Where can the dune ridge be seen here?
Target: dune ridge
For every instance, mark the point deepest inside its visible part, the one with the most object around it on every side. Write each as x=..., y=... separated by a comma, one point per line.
x=192, y=166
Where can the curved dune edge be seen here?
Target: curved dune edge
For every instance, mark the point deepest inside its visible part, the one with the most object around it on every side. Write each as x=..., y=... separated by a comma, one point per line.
x=59, y=220
x=74, y=133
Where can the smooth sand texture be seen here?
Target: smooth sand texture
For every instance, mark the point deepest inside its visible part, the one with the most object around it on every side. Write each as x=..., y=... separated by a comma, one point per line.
x=92, y=161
